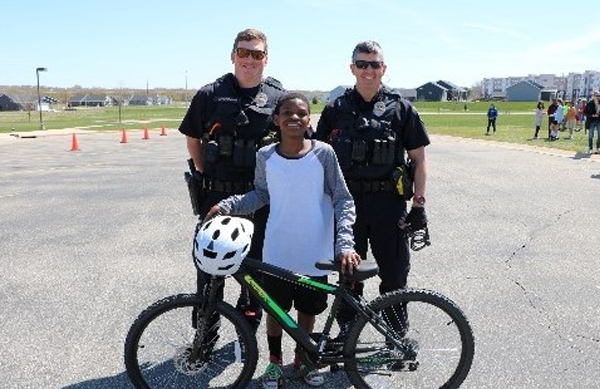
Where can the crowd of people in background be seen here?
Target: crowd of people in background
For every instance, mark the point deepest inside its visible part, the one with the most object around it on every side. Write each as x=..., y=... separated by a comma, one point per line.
x=571, y=116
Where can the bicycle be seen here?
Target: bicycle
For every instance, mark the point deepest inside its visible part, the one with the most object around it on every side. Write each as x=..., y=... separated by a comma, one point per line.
x=435, y=350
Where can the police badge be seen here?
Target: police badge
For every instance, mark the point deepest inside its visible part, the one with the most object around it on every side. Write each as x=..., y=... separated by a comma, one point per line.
x=261, y=99
x=379, y=108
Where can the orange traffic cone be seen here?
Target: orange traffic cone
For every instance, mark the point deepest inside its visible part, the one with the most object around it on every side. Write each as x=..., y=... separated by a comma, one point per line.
x=162, y=130
x=146, y=135
x=123, y=136
x=74, y=143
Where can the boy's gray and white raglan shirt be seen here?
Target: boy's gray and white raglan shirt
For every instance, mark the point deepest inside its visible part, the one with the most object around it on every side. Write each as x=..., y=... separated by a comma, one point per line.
x=305, y=194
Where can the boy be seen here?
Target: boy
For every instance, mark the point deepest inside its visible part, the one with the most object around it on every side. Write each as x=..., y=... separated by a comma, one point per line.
x=303, y=183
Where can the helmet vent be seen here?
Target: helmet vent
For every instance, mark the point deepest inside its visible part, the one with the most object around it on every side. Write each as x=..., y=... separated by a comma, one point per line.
x=226, y=221
x=209, y=254
x=207, y=225
x=235, y=234
x=229, y=255
x=216, y=234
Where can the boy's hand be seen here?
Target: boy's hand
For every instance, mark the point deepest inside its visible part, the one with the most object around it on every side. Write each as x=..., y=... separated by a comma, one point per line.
x=214, y=211
x=349, y=260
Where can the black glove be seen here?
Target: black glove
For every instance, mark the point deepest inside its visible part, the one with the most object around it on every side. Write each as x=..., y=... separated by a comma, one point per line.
x=415, y=220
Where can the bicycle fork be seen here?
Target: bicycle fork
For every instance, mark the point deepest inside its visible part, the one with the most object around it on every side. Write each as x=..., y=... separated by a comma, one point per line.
x=206, y=322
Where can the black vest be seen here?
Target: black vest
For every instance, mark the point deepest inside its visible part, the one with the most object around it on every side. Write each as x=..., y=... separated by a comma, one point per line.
x=236, y=129
x=367, y=146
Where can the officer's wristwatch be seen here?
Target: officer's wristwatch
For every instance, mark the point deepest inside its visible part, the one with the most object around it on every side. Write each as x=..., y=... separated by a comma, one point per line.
x=419, y=200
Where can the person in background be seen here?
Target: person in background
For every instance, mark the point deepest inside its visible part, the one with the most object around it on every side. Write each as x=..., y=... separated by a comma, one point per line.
x=557, y=120
x=592, y=113
x=581, y=115
x=492, y=114
x=571, y=118
x=551, y=109
x=539, y=117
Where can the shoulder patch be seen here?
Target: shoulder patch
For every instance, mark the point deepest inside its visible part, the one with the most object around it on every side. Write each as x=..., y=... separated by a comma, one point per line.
x=273, y=82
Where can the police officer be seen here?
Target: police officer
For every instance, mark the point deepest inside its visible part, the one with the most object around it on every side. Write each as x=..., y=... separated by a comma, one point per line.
x=225, y=124
x=372, y=128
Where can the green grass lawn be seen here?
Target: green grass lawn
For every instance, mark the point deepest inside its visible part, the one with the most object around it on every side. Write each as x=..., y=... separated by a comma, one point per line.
x=515, y=122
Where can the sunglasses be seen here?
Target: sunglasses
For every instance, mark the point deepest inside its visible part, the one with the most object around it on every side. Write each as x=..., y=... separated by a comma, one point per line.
x=365, y=64
x=244, y=53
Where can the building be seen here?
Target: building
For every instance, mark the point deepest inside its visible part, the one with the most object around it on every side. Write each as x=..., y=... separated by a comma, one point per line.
x=455, y=92
x=141, y=100
x=25, y=102
x=495, y=88
x=524, y=91
x=162, y=100
x=90, y=101
x=337, y=91
x=581, y=85
x=432, y=91
x=408, y=94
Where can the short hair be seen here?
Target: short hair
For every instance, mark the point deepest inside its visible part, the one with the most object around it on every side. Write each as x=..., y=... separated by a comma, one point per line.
x=248, y=35
x=596, y=93
x=367, y=47
x=287, y=97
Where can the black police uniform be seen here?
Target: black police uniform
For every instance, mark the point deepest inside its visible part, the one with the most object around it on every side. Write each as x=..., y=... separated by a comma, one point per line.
x=370, y=139
x=232, y=122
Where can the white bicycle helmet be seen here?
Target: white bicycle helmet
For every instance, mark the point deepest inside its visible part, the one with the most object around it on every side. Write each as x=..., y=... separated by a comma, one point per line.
x=221, y=244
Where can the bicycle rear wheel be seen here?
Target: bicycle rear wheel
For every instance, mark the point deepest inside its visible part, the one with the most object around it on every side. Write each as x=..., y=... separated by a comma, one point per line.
x=158, y=348
x=437, y=350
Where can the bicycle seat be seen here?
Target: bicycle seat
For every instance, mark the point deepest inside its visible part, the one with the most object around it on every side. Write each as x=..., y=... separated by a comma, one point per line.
x=365, y=270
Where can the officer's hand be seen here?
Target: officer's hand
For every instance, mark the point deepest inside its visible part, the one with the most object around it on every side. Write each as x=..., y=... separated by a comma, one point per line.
x=416, y=220
x=349, y=260
x=214, y=211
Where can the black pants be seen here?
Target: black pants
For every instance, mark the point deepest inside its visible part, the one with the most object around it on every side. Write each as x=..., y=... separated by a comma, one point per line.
x=377, y=216
x=246, y=302
x=491, y=122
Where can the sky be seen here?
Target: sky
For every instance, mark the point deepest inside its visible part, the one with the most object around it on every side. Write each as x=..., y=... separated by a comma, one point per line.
x=163, y=44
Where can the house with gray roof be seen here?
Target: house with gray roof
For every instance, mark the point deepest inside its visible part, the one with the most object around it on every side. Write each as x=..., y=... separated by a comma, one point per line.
x=141, y=100
x=90, y=101
x=432, y=91
x=14, y=102
x=524, y=91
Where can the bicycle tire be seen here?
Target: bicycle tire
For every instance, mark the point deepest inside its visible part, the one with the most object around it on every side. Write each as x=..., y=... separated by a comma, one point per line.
x=157, y=359
x=438, y=332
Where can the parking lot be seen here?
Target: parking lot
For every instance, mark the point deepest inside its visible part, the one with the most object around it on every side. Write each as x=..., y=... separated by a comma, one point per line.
x=91, y=238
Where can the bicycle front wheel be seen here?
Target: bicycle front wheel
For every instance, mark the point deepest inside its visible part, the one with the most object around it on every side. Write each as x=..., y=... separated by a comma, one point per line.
x=158, y=349
x=436, y=342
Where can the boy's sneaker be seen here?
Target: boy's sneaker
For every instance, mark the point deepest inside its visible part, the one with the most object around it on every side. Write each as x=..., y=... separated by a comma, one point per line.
x=312, y=378
x=273, y=377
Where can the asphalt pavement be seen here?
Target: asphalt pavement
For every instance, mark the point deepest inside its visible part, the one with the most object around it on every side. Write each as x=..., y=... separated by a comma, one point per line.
x=91, y=238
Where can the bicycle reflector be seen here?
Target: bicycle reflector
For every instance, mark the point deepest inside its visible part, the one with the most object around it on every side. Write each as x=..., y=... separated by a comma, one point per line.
x=221, y=244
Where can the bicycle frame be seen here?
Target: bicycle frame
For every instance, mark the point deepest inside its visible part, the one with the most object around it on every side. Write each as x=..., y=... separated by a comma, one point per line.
x=245, y=277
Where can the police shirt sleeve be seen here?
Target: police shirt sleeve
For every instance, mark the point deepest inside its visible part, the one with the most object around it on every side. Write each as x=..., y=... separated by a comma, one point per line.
x=412, y=129
x=191, y=125
x=325, y=125
x=255, y=199
x=343, y=204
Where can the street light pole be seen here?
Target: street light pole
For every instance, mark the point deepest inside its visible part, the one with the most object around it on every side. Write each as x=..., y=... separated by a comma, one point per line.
x=37, y=73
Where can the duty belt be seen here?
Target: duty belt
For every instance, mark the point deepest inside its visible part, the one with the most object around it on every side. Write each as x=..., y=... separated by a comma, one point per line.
x=234, y=187
x=371, y=186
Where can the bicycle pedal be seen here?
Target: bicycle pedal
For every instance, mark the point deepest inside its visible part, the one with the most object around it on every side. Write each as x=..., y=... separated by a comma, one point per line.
x=404, y=366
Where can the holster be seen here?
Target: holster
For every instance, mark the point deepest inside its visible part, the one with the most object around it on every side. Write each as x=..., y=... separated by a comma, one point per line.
x=404, y=177
x=193, y=178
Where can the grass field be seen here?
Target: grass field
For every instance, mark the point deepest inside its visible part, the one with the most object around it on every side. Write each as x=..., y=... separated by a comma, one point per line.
x=515, y=122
